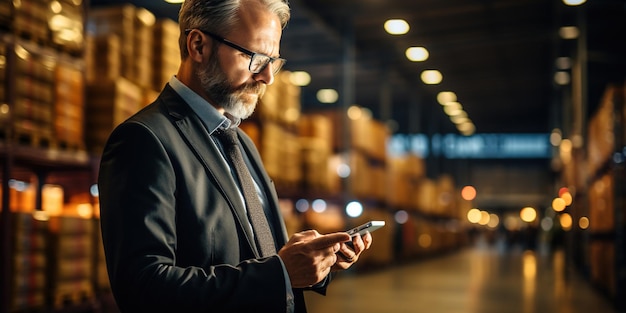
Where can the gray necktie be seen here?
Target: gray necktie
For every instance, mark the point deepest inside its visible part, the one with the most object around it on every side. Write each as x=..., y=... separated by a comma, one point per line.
x=258, y=220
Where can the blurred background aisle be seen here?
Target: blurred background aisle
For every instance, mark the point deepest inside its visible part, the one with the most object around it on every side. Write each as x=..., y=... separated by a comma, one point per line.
x=476, y=279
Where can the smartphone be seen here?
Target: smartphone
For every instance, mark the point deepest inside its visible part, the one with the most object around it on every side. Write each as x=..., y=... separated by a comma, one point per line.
x=367, y=227
x=362, y=230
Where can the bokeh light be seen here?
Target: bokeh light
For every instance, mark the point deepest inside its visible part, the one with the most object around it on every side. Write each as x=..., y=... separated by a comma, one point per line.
x=473, y=215
x=583, y=222
x=567, y=197
x=558, y=204
x=401, y=217
x=319, y=205
x=528, y=214
x=566, y=221
x=354, y=209
x=396, y=26
x=468, y=193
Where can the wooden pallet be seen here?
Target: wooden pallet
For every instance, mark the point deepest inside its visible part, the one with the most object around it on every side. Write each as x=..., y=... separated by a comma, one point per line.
x=67, y=145
x=74, y=298
x=33, y=139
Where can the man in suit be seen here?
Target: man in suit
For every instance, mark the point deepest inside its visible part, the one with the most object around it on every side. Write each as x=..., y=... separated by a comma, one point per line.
x=177, y=222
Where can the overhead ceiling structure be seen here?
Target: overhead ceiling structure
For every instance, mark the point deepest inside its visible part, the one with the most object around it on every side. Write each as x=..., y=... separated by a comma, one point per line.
x=497, y=56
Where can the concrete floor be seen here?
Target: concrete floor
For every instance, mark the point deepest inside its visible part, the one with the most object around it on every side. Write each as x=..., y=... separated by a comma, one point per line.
x=473, y=280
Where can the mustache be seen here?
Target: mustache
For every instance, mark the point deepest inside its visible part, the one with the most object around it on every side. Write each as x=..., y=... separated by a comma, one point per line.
x=257, y=88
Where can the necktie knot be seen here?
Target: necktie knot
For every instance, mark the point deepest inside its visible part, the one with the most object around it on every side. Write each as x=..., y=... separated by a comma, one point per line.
x=227, y=137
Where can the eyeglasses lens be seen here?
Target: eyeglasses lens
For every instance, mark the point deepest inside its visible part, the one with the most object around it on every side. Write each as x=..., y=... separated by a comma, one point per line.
x=259, y=62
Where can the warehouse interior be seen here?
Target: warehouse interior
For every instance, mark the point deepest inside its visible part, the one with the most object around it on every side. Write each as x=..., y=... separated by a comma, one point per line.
x=525, y=115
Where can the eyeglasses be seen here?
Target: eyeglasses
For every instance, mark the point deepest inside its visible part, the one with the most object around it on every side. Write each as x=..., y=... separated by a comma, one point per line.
x=258, y=61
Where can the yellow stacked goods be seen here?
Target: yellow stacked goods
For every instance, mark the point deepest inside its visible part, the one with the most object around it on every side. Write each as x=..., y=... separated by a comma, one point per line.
x=34, y=92
x=280, y=151
x=30, y=19
x=601, y=205
x=403, y=176
x=315, y=136
x=65, y=20
x=103, y=57
x=134, y=27
x=166, y=56
x=446, y=196
x=69, y=99
x=71, y=260
x=109, y=103
x=29, y=260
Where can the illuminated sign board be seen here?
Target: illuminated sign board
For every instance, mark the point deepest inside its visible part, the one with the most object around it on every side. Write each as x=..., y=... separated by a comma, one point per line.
x=479, y=146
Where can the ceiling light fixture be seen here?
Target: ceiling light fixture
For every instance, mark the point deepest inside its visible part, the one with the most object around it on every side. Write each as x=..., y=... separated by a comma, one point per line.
x=175, y=1
x=574, y=2
x=431, y=77
x=417, y=54
x=467, y=129
x=396, y=27
x=562, y=78
x=445, y=97
x=453, y=109
x=327, y=95
x=300, y=78
x=569, y=32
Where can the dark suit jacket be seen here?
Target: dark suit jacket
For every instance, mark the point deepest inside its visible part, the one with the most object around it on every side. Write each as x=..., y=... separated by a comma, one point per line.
x=175, y=233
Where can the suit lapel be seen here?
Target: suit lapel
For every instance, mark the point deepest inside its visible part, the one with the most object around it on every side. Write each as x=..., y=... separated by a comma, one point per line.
x=199, y=141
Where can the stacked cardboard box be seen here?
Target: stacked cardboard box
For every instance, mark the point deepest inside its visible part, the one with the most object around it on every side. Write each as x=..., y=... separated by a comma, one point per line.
x=603, y=265
x=367, y=178
x=134, y=28
x=427, y=196
x=370, y=136
x=109, y=103
x=315, y=136
x=603, y=181
x=102, y=275
x=3, y=91
x=69, y=99
x=280, y=151
x=57, y=24
x=29, y=261
x=446, y=197
x=281, y=102
x=166, y=52
x=30, y=19
x=103, y=59
x=601, y=142
x=34, y=95
x=601, y=204
x=71, y=260
x=403, y=176
x=65, y=19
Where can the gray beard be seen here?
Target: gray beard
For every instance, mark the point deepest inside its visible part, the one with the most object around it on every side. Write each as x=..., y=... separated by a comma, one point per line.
x=217, y=87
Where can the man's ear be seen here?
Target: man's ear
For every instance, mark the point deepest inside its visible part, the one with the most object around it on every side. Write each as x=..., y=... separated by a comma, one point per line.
x=198, y=46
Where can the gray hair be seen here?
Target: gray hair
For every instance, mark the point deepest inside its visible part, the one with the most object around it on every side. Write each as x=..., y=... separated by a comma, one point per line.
x=216, y=15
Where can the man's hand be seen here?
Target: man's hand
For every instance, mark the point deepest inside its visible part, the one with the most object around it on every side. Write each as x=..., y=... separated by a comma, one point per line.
x=349, y=254
x=309, y=256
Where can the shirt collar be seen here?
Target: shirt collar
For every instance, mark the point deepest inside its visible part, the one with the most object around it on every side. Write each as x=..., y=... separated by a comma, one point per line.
x=208, y=114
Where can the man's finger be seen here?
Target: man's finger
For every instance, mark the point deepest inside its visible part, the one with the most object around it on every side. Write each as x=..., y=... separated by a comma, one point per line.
x=326, y=241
